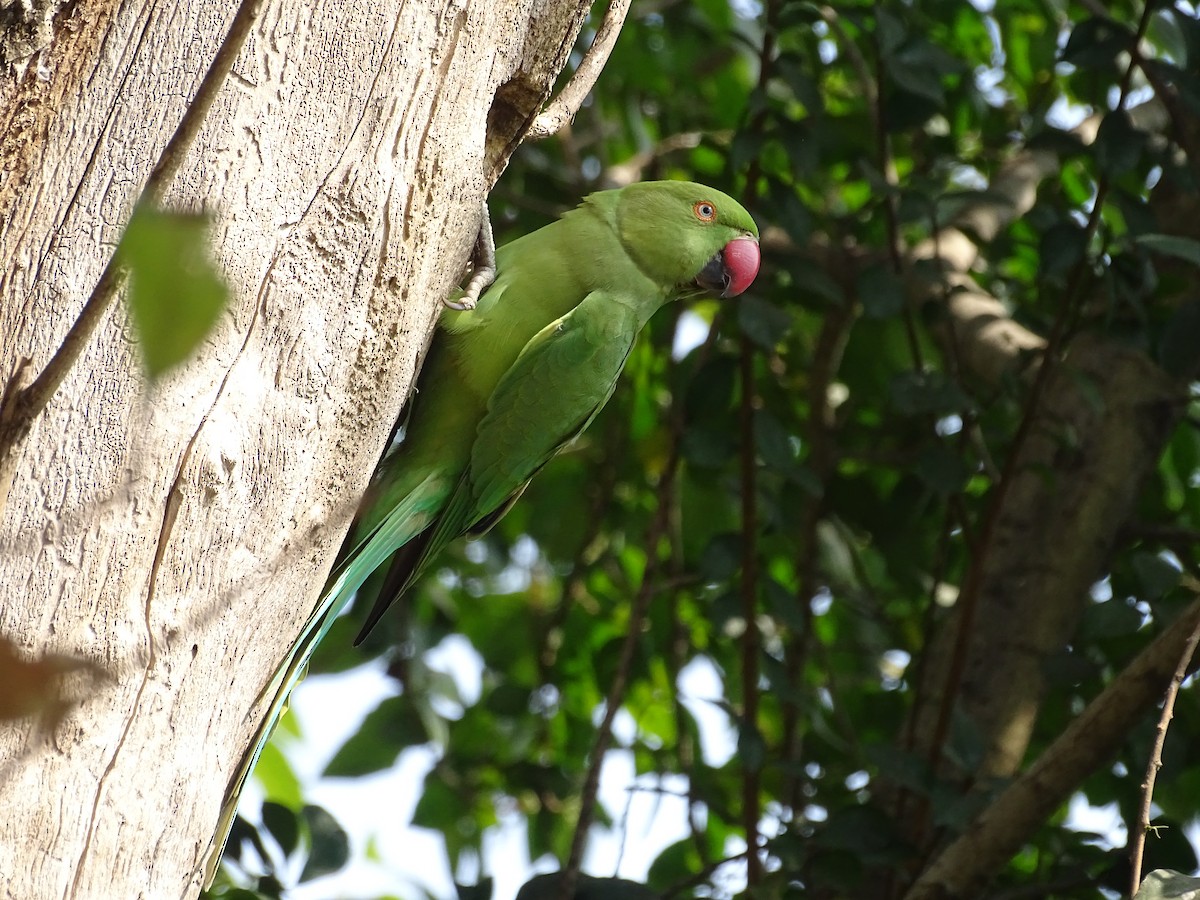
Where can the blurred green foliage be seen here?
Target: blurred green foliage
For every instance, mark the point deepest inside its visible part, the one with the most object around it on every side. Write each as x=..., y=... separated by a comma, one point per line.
x=175, y=291
x=864, y=453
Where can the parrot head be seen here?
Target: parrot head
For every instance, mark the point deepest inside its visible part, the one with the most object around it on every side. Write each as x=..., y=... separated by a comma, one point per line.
x=687, y=235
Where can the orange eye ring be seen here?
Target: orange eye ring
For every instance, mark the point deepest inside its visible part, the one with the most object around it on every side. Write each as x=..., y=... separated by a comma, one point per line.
x=705, y=210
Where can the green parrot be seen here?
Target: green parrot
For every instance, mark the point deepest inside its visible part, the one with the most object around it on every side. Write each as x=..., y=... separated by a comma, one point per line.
x=512, y=379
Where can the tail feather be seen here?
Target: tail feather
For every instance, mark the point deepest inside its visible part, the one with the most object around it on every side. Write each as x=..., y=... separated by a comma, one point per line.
x=406, y=520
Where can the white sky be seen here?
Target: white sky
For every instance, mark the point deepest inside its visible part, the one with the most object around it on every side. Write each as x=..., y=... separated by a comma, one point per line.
x=378, y=808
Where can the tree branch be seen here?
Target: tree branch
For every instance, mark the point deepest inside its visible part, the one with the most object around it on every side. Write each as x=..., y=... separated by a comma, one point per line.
x=1088, y=742
x=748, y=589
x=562, y=109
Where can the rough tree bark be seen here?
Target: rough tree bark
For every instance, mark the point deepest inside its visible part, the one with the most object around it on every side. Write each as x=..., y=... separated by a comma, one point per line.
x=175, y=536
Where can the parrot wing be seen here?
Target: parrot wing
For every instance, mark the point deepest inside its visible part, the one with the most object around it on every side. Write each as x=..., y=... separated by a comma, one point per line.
x=560, y=380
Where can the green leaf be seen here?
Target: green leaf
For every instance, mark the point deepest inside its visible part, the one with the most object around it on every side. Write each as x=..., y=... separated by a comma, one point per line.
x=1155, y=575
x=388, y=729
x=283, y=824
x=889, y=32
x=752, y=749
x=708, y=448
x=1187, y=249
x=481, y=891
x=1112, y=618
x=880, y=292
x=587, y=887
x=941, y=469
x=1179, y=347
x=175, y=292
x=762, y=321
x=233, y=893
x=1118, y=144
x=1095, y=42
x=1165, y=31
x=927, y=393
x=722, y=557
x=865, y=831
x=275, y=774
x=1061, y=247
x=330, y=845
x=773, y=443
x=440, y=806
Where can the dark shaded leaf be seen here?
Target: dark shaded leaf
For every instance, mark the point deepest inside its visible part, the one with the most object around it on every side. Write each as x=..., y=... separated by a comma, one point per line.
x=880, y=292
x=1170, y=245
x=1096, y=42
x=283, y=825
x=1061, y=248
x=762, y=322
x=1118, y=144
x=330, y=845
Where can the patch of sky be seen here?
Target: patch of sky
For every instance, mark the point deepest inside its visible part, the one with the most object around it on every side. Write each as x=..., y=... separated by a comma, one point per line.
x=948, y=425
x=691, y=330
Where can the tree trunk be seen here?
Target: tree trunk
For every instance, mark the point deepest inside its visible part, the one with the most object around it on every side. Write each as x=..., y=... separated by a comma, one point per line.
x=174, y=537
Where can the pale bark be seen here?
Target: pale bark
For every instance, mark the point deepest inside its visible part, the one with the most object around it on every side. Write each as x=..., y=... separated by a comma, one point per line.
x=177, y=535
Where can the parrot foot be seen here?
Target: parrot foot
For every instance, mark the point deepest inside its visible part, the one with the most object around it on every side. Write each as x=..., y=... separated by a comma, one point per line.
x=483, y=266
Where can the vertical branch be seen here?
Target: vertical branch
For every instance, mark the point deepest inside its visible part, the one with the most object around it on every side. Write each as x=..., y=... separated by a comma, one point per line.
x=822, y=460
x=751, y=812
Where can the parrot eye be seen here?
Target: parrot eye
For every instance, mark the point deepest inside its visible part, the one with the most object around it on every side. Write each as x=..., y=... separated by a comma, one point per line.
x=705, y=211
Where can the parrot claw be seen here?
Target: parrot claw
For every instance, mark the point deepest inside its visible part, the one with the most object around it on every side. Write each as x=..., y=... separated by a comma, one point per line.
x=483, y=265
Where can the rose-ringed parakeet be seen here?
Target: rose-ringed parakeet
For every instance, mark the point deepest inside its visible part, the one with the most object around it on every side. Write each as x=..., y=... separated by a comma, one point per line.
x=511, y=380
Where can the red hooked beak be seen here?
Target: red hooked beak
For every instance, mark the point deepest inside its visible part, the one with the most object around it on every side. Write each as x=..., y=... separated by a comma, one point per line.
x=733, y=269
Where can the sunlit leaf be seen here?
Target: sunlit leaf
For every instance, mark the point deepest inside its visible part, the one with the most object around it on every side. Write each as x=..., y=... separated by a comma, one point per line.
x=175, y=292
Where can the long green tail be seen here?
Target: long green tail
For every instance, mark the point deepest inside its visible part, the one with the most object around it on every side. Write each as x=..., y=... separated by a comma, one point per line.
x=408, y=519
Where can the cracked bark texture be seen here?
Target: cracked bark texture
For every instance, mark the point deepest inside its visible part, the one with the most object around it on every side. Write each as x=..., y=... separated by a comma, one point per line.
x=177, y=535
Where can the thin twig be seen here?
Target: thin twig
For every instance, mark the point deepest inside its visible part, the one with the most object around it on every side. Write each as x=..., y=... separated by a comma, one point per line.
x=702, y=876
x=750, y=641
x=17, y=416
x=1160, y=736
x=562, y=109
x=891, y=201
x=612, y=704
